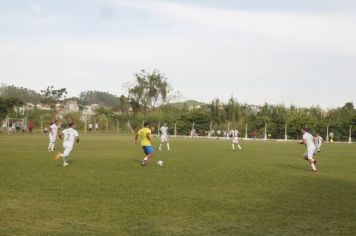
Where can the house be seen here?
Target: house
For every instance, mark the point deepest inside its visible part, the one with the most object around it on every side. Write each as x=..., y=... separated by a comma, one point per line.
x=71, y=106
x=89, y=111
x=43, y=107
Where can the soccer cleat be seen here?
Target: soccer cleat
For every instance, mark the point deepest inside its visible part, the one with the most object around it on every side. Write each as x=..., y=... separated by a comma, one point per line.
x=144, y=163
x=65, y=164
x=57, y=157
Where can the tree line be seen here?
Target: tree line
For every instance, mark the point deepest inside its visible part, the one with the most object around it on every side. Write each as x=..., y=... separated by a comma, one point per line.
x=150, y=97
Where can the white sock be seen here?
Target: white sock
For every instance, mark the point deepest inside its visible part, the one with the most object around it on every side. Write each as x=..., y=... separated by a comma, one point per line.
x=313, y=166
x=160, y=146
x=52, y=147
x=233, y=147
x=145, y=159
x=49, y=145
x=238, y=145
x=168, y=147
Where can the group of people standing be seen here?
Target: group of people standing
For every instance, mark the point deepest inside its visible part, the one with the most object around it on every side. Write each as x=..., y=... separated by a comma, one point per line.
x=17, y=126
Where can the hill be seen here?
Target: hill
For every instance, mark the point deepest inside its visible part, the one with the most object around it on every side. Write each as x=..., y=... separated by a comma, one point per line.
x=187, y=103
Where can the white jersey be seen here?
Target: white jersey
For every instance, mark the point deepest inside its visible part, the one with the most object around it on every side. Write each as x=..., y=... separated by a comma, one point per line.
x=318, y=141
x=69, y=136
x=309, y=140
x=54, y=130
x=234, y=133
x=164, y=131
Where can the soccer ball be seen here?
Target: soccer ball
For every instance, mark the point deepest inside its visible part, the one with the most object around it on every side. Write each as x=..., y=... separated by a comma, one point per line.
x=160, y=163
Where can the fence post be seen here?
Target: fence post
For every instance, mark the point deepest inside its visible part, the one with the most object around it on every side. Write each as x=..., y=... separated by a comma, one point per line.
x=285, y=133
x=158, y=126
x=350, y=132
x=175, y=129
x=228, y=129
x=85, y=125
x=94, y=125
x=41, y=120
x=327, y=133
x=246, y=130
x=265, y=138
x=106, y=124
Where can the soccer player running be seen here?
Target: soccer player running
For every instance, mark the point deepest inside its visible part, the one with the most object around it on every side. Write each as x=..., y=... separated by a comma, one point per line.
x=69, y=136
x=145, y=136
x=52, y=135
x=318, y=142
x=309, y=142
x=163, y=131
x=234, y=135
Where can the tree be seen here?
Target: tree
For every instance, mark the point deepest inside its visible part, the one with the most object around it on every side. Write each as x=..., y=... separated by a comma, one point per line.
x=8, y=104
x=23, y=94
x=123, y=104
x=102, y=98
x=53, y=96
x=149, y=90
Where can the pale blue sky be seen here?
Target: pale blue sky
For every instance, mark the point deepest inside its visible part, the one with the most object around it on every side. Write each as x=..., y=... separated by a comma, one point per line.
x=293, y=52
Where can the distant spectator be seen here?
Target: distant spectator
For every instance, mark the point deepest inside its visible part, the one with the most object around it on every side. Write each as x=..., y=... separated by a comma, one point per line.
x=22, y=127
x=17, y=126
x=30, y=127
x=4, y=126
x=90, y=126
x=10, y=126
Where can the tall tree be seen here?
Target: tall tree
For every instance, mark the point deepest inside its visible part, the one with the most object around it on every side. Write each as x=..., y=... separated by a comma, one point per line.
x=24, y=94
x=53, y=96
x=148, y=91
x=8, y=104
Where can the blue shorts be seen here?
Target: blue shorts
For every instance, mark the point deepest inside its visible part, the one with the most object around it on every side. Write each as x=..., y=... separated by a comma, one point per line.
x=147, y=149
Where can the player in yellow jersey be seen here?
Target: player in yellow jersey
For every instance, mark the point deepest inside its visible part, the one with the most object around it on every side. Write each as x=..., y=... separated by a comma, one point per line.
x=145, y=136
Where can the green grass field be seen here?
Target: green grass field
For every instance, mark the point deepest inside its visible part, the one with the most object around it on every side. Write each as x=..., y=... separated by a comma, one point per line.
x=203, y=188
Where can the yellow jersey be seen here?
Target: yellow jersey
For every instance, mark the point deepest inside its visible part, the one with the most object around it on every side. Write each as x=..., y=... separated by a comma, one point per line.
x=143, y=133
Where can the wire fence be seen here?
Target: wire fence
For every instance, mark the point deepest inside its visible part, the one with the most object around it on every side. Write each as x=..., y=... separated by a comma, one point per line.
x=103, y=125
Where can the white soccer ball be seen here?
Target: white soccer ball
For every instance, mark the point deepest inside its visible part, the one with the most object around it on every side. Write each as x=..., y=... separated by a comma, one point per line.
x=160, y=163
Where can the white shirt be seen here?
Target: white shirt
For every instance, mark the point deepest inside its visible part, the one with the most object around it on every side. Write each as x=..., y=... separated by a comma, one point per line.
x=309, y=140
x=69, y=136
x=54, y=130
x=318, y=141
x=234, y=133
x=164, y=130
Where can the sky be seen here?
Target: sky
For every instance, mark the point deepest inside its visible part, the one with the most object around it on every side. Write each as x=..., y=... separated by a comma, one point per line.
x=287, y=52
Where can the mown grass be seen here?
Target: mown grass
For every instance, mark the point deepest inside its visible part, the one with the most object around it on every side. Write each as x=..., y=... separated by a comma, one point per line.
x=203, y=188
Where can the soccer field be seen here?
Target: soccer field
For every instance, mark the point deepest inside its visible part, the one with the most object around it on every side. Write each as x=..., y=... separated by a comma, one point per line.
x=203, y=188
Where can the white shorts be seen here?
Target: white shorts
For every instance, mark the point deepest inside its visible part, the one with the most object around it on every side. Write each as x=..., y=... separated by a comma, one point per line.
x=164, y=139
x=52, y=138
x=235, y=140
x=67, y=149
x=310, y=153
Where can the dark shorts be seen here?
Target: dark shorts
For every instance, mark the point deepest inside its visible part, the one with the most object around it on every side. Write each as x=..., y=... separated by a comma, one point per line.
x=147, y=149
